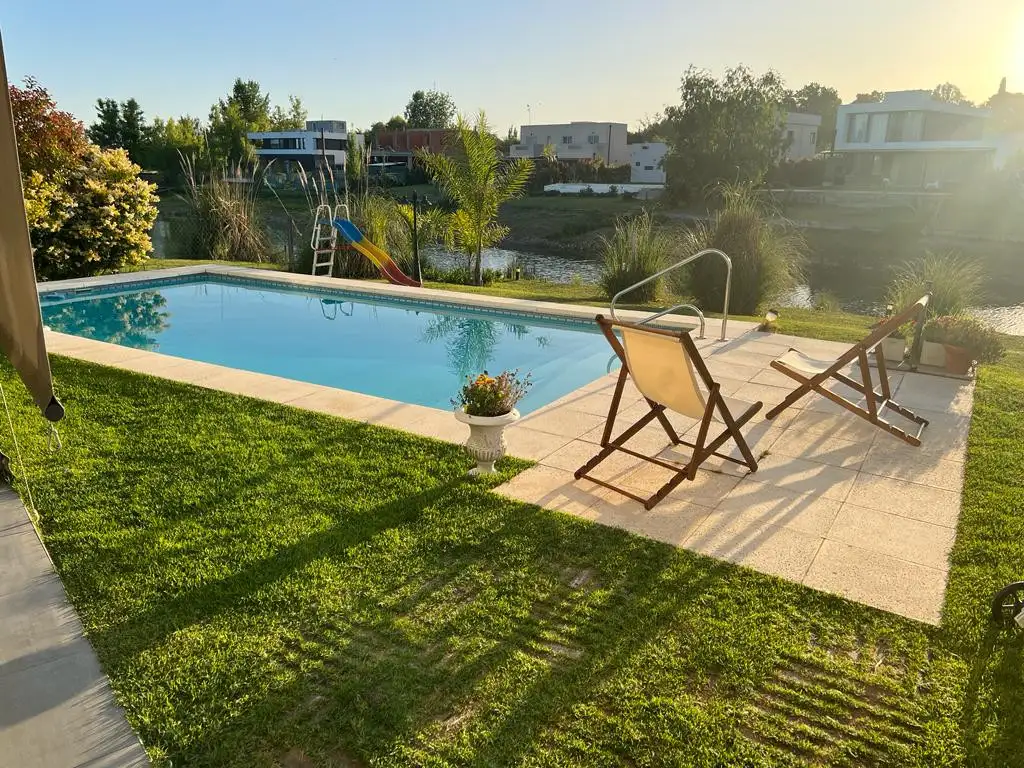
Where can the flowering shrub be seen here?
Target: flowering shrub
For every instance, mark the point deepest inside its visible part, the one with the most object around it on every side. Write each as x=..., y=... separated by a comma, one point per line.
x=980, y=340
x=488, y=395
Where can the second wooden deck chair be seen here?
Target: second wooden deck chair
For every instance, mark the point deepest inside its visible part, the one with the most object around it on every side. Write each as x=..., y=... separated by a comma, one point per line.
x=667, y=369
x=813, y=375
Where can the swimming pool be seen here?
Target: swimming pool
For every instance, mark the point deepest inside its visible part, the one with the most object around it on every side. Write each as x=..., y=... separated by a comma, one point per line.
x=411, y=351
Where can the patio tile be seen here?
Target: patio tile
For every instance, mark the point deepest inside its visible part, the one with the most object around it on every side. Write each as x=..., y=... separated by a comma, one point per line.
x=526, y=443
x=878, y=580
x=936, y=393
x=916, y=467
x=650, y=440
x=262, y=386
x=737, y=355
x=383, y=411
x=899, y=497
x=726, y=369
x=945, y=437
x=154, y=364
x=337, y=402
x=773, y=378
x=843, y=425
x=437, y=424
x=769, y=395
x=552, y=488
x=706, y=489
x=772, y=549
x=822, y=448
x=910, y=540
x=758, y=505
x=563, y=421
x=802, y=476
x=572, y=456
x=672, y=521
x=596, y=403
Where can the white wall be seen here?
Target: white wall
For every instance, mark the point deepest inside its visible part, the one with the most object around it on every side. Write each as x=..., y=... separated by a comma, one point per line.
x=804, y=131
x=645, y=162
x=576, y=141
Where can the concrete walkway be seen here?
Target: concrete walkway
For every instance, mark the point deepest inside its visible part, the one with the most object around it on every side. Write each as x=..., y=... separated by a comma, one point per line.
x=56, y=706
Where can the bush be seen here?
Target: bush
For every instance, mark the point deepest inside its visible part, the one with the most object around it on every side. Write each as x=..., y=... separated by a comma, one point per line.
x=982, y=341
x=587, y=191
x=636, y=251
x=955, y=283
x=225, y=220
x=90, y=218
x=767, y=256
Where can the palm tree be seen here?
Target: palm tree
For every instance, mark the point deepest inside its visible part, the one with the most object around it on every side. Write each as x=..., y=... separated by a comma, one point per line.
x=476, y=176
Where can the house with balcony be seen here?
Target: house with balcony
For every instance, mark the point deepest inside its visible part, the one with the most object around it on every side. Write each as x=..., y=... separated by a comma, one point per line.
x=909, y=140
x=574, y=141
x=323, y=144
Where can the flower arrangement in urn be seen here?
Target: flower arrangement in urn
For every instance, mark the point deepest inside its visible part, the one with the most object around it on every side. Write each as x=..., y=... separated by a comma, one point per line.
x=488, y=404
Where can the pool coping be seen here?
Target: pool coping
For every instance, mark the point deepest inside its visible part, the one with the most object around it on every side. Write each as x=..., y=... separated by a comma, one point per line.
x=373, y=289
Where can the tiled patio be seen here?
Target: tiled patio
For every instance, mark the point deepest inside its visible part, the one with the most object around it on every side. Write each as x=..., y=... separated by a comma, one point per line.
x=836, y=504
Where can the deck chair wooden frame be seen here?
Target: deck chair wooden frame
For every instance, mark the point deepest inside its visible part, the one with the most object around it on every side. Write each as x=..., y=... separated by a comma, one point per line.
x=813, y=378
x=703, y=448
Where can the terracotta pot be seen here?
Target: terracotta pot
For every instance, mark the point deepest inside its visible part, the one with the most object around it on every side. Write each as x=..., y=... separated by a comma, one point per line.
x=933, y=354
x=486, y=443
x=958, y=360
x=894, y=349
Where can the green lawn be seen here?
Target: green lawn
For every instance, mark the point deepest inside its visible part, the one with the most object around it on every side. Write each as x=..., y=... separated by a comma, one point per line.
x=171, y=263
x=267, y=586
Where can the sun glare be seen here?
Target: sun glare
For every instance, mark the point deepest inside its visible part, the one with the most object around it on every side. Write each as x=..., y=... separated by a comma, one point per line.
x=1017, y=57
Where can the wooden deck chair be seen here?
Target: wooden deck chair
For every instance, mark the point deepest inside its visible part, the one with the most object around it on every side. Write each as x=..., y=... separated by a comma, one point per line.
x=668, y=370
x=813, y=375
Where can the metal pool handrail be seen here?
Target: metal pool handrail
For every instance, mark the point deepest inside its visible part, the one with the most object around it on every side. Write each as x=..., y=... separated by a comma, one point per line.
x=677, y=265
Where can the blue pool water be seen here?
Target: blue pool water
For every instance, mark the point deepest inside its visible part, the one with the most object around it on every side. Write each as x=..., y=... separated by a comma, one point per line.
x=414, y=352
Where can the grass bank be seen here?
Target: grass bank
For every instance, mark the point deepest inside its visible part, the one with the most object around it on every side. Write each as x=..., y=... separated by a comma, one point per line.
x=268, y=587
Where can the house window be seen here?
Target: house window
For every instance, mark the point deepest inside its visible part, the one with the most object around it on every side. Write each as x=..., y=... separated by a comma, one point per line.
x=789, y=136
x=593, y=139
x=637, y=163
x=814, y=137
x=567, y=139
x=648, y=167
x=857, y=128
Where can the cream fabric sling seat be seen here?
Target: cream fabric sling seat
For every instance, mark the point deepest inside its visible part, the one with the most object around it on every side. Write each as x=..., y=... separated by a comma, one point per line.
x=667, y=369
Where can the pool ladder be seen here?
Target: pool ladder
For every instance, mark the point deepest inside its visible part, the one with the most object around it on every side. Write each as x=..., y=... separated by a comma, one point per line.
x=677, y=265
x=325, y=238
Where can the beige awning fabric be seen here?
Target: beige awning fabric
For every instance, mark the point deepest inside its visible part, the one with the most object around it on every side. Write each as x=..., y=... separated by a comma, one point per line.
x=21, y=324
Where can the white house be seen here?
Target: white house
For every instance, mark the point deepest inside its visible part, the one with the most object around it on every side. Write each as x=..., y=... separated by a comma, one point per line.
x=574, y=141
x=910, y=140
x=323, y=143
x=801, y=133
x=645, y=162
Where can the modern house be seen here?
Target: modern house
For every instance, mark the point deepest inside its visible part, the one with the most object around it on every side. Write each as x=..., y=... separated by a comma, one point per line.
x=910, y=140
x=431, y=139
x=801, y=133
x=322, y=144
x=574, y=141
x=645, y=162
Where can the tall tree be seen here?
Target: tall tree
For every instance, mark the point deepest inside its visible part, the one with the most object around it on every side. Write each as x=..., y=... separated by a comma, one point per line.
x=173, y=140
x=817, y=99
x=872, y=97
x=134, y=132
x=292, y=119
x=478, y=179
x=49, y=139
x=246, y=109
x=106, y=131
x=723, y=130
x=430, y=109
x=951, y=94
x=396, y=123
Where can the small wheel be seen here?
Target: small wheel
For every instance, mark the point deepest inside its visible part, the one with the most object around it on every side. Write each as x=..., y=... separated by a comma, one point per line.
x=1008, y=604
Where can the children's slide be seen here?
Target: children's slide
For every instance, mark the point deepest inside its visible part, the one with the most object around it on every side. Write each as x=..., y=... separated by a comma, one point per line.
x=385, y=263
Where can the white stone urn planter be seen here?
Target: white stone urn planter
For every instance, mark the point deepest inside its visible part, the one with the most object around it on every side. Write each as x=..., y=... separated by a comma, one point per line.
x=934, y=354
x=486, y=443
x=893, y=349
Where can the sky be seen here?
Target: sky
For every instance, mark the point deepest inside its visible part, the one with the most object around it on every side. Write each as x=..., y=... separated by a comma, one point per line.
x=596, y=60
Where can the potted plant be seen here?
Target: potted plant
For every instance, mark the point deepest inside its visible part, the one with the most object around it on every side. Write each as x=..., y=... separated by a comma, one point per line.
x=488, y=405
x=965, y=340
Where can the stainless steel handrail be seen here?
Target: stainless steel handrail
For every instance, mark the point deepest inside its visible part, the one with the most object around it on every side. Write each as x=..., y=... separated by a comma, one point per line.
x=677, y=265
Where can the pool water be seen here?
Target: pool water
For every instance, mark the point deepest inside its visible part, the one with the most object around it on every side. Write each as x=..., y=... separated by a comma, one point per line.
x=414, y=352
